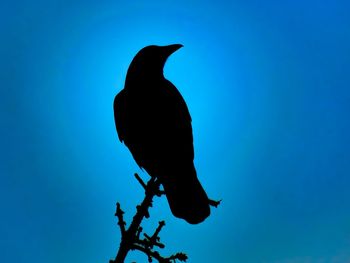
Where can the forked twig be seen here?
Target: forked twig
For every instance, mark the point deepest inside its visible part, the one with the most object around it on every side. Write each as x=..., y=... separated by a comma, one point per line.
x=130, y=238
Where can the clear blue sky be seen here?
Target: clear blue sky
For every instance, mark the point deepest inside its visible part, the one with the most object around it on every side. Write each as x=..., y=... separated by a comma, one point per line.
x=267, y=84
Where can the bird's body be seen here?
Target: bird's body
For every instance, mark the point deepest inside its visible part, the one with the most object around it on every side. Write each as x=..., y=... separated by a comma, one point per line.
x=153, y=121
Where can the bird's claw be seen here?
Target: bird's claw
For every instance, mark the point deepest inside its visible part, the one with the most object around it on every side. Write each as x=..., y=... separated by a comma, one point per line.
x=214, y=203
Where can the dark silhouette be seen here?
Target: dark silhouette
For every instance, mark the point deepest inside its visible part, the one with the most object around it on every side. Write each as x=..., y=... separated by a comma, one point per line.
x=131, y=237
x=153, y=121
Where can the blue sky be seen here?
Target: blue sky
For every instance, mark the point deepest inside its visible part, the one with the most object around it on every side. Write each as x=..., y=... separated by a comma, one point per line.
x=267, y=85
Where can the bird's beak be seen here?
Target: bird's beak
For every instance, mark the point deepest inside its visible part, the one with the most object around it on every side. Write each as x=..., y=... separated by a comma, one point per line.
x=170, y=49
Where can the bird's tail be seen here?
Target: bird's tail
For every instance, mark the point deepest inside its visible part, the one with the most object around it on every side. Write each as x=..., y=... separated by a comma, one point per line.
x=186, y=196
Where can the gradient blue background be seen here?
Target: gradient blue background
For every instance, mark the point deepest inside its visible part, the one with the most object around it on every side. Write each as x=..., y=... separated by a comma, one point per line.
x=266, y=82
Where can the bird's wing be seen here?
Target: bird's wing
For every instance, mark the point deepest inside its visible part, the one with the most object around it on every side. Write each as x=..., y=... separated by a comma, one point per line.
x=119, y=114
x=178, y=126
x=179, y=100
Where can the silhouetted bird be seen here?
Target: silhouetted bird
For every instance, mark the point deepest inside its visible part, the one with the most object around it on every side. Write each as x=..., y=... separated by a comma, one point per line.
x=153, y=121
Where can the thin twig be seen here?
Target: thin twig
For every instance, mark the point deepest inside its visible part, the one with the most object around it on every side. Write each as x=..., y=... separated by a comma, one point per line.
x=119, y=213
x=154, y=239
x=154, y=254
x=139, y=179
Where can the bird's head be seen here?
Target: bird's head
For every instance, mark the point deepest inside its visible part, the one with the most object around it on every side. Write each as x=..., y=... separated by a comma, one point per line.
x=149, y=62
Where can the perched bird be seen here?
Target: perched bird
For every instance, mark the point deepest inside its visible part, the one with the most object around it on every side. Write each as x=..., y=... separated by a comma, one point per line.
x=153, y=121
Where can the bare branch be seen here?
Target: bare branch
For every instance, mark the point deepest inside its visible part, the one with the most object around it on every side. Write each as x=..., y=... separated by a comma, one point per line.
x=178, y=256
x=154, y=254
x=154, y=239
x=130, y=238
x=119, y=213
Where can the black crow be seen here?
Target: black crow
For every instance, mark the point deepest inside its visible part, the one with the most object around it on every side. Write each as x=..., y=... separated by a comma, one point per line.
x=153, y=121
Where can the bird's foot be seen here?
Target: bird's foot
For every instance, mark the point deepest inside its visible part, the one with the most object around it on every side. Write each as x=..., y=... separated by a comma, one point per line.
x=214, y=203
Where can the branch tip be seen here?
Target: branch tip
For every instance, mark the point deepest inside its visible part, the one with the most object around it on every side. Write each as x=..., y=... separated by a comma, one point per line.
x=139, y=179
